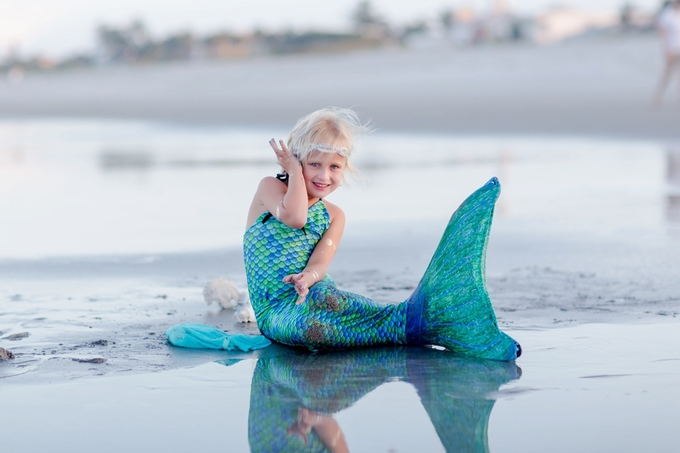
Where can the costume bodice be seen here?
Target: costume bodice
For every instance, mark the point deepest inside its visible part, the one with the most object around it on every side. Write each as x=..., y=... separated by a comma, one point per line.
x=272, y=250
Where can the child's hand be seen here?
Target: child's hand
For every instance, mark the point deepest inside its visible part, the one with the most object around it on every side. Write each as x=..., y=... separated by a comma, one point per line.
x=303, y=423
x=284, y=157
x=301, y=285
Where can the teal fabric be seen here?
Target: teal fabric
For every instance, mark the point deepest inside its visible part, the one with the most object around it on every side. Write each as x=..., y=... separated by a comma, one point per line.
x=450, y=307
x=202, y=336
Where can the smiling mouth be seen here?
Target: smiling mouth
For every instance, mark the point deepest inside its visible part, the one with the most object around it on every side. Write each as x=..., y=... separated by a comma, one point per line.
x=320, y=186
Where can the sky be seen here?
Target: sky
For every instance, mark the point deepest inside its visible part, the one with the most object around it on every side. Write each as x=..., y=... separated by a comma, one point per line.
x=59, y=28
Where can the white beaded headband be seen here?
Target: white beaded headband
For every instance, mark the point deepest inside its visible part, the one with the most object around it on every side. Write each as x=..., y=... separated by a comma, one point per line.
x=325, y=148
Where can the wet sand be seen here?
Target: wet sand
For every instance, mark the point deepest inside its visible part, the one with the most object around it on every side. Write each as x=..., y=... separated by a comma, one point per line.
x=613, y=383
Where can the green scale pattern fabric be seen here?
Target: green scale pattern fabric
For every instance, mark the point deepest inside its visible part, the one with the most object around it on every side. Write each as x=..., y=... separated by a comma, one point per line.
x=450, y=307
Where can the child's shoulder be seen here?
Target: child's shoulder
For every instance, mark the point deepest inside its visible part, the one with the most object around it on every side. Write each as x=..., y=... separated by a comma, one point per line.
x=271, y=185
x=271, y=181
x=334, y=211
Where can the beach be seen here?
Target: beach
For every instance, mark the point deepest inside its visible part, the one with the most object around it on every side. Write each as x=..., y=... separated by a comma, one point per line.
x=124, y=191
x=599, y=86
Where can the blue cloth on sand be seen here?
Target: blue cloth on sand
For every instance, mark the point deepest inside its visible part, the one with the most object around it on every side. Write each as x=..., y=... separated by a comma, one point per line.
x=202, y=336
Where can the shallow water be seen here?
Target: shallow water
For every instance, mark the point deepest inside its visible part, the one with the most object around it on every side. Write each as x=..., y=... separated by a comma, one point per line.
x=589, y=388
x=72, y=187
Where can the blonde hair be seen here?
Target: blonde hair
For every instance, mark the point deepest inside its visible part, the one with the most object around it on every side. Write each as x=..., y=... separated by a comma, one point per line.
x=329, y=130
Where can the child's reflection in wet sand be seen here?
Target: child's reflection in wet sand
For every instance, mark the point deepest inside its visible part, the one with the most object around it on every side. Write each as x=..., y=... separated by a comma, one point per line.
x=294, y=394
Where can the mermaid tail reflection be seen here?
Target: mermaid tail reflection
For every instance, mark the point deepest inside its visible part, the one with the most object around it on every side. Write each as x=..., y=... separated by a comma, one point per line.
x=288, y=386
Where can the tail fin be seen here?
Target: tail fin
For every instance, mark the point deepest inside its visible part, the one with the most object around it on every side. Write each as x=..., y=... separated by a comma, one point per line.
x=451, y=305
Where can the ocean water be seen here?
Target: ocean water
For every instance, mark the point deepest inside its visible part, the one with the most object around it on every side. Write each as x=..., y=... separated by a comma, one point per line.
x=589, y=388
x=76, y=187
x=72, y=188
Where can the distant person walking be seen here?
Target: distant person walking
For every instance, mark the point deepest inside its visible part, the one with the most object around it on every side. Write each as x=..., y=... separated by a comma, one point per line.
x=668, y=25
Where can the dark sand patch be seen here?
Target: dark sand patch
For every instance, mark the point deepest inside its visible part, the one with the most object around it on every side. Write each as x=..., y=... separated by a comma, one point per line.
x=17, y=336
x=93, y=360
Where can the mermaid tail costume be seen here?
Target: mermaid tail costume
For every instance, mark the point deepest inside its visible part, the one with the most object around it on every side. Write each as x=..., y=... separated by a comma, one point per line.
x=449, y=308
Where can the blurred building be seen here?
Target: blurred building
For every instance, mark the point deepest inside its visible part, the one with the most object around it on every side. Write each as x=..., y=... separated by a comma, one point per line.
x=561, y=23
x=226, y=45
x=466, y=26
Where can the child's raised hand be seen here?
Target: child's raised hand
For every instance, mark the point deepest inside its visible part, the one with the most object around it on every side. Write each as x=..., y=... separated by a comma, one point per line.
x=284, y=157
x=301, y=286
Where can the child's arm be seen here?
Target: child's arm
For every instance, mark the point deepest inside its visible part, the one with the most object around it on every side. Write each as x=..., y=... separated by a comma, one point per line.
x=288, y=204
x=321, y=257
x=326, y=428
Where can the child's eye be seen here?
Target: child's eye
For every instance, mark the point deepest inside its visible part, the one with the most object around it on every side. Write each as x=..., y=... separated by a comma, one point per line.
x=314, y=164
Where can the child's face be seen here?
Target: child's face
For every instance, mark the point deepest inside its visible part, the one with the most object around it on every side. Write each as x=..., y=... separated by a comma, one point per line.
x=323, y=173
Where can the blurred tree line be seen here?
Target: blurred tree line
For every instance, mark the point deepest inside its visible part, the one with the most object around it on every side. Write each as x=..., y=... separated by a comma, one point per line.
x=133, y=42
x=464, y=26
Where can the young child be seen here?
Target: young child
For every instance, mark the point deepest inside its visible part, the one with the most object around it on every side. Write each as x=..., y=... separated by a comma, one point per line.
x=668, y=26
x=293, y=234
